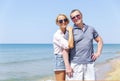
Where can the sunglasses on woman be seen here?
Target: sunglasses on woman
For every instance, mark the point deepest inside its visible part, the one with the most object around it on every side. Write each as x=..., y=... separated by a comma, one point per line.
x=64, y=20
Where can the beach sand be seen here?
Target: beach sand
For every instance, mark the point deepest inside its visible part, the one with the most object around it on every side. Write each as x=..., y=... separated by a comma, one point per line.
x=48, y=78
x=114, y=73
x=105, y=71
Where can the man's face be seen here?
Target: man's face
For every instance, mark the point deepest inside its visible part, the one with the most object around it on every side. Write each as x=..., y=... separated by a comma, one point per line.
x=76, y=17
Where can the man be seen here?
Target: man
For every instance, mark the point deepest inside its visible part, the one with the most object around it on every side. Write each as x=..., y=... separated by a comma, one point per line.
x=82, y=56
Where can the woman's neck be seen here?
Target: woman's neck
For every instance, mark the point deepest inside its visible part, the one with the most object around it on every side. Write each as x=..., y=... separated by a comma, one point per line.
x=63, y=29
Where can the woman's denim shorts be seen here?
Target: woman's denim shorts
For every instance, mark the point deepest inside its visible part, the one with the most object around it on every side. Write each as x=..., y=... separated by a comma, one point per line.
x=59, y=63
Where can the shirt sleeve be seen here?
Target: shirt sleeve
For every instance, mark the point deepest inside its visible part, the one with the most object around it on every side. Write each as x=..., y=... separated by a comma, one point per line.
x=66, y=35
x=95, y=33
x=61, y=42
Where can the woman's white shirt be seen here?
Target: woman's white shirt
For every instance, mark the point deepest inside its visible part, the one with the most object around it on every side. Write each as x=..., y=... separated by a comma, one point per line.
x=59, y=42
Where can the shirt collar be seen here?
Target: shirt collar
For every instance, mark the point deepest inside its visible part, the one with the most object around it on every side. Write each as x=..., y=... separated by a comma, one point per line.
x=60, y=32
x=84, y=27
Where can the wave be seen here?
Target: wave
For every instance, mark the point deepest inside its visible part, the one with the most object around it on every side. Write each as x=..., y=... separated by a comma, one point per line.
x=118, y=52
x=27, y=61
x=108, y=52
x=111, y=52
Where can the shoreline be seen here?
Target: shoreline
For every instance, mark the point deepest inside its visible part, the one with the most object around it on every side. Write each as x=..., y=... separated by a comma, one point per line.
x=104, y=71
x=104, y=68
x=47, y=78
x=114, y=73
x=108, y=70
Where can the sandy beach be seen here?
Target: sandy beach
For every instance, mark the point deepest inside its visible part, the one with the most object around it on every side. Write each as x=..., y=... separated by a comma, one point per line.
x=114, y=73
x=105, y=71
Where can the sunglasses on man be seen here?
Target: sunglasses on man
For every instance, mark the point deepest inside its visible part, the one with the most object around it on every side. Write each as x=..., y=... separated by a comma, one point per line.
x=74, y=17
x=64, y=20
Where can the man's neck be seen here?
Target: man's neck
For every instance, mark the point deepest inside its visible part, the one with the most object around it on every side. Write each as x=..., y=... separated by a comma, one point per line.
x=80, y=26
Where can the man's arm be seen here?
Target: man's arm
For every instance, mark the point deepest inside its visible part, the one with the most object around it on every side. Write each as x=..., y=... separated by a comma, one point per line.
x=99, y=48
x=69, y=70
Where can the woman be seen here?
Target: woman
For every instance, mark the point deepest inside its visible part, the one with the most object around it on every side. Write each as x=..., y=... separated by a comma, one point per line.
x=60, y=44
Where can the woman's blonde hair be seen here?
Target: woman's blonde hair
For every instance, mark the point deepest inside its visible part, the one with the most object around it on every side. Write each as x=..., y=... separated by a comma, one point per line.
x=62, y=15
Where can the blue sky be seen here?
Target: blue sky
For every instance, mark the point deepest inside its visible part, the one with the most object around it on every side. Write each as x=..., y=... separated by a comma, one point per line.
x=33, y=21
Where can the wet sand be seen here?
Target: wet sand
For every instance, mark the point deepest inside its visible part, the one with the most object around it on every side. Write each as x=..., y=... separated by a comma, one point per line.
x=114, y=73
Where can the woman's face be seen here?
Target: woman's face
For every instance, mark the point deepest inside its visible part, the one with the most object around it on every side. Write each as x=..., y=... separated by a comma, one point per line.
x=62, y=21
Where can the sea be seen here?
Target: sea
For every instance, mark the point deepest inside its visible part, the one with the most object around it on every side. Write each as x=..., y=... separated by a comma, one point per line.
x=31, y=62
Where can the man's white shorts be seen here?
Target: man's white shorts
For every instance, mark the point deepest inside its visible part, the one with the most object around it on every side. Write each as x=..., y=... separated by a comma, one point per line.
x=82, y=72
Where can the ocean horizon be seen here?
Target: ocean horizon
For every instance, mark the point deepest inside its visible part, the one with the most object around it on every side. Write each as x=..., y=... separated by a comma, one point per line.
x=31, y=62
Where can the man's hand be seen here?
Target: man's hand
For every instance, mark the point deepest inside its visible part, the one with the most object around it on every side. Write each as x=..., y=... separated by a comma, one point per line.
x=69, y=71
x=95, y=56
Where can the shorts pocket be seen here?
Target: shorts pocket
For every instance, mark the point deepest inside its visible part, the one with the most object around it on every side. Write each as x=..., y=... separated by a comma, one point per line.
x=59, y=61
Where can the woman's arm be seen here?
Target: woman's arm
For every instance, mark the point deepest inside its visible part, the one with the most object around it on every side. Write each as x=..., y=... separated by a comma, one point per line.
x=69, y=70
x=70, y=38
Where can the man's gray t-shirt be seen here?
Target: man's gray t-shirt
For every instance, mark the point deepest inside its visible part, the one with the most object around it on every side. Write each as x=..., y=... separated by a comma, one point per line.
x=83, y=44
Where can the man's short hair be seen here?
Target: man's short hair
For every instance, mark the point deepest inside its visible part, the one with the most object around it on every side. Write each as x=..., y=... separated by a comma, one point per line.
x=74, y=11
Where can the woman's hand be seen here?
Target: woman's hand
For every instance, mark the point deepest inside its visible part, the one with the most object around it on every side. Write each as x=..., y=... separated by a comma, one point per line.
x=69, y=28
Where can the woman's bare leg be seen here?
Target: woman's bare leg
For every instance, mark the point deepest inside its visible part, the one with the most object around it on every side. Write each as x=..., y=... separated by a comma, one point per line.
x=60, y=75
